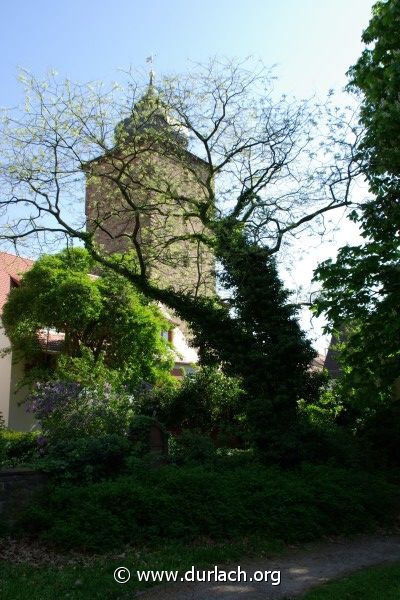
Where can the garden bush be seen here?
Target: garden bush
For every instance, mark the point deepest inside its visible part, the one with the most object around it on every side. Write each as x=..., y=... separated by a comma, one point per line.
x=66, y=409
x=91, y=458
x=187, y=502
x=138, y=433
x=191, y=447
x=85, y=459
x=205, y=400
x=324, y=441
x=380, y=433
x=18, y=448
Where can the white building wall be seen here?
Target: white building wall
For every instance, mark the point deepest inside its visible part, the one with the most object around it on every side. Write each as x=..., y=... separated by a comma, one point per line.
x=11, y=400
x=5, y=377
x=19, y=419
x=184, y=351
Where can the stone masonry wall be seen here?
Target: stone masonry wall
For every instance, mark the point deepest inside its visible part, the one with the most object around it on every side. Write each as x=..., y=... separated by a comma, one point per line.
x=163, y=227
x=17, y=486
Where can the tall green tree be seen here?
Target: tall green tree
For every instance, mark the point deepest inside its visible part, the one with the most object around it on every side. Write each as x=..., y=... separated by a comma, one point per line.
x=108, y=324
x=256, y=335
x=272, y=353
x=362, y=287
x=376, y=75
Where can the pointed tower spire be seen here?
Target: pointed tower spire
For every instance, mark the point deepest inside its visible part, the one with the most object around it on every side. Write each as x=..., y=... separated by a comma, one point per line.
x=149, y=116
x=152, y=74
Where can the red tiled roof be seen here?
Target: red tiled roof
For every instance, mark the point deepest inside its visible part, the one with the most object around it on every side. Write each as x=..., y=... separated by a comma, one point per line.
x=11, y=268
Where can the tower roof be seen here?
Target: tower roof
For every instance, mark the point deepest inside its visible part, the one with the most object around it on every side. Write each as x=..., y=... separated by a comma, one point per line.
x=150, y=116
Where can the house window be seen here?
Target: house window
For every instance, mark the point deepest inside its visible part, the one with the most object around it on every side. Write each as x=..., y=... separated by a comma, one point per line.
x=168, y=336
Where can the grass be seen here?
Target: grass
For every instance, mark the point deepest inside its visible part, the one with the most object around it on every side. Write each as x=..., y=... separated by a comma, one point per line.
x=375, y=583
x=95, y=581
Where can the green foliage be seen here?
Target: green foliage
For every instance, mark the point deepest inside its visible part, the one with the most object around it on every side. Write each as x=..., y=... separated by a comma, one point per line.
x=109, y=326
x=377, y=75
x=360, y=297
x=185, y=503
x=87, y=370
x=88, y=434
x=191, y=447
x=206, y=399
x=324, y=441
x=380, y=433
x=18, y=448
x=85, y=459
x=66, y=410
x=272, y=354
x=368, y=584
x=361, y=289
x=139, y=433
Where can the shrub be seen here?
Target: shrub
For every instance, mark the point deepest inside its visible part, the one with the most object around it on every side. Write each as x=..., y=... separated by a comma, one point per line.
x=67, y=410
x=85, y=459
x=380, y=433
x=191, y=447
x=205, y=400
x=323, y=440
x=187, y=502
x=139, y=433
x=92, y=458
x=18, y=448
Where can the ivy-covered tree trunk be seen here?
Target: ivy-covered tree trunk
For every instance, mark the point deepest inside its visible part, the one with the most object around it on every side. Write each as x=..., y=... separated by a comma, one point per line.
x=254, y=335
x=273, y=355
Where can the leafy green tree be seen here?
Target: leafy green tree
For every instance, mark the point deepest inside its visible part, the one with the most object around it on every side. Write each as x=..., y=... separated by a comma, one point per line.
x=111, y=330
x=361, y=289
x=255, y=336
x=376, y=75
x=360, y=296
x=271, y=353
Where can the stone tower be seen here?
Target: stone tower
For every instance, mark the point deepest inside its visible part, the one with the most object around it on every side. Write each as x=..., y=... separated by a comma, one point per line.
x=144, y=195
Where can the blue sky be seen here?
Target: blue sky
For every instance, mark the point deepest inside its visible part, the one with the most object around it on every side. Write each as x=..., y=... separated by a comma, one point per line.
x=313, y=42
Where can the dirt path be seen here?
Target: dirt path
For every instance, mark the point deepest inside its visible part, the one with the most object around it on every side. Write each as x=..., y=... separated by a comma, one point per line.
x=301, y=569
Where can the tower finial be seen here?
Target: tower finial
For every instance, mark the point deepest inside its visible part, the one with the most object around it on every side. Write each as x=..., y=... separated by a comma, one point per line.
x=150, y=59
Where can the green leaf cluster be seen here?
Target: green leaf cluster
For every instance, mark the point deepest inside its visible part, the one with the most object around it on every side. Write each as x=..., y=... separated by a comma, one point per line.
x=377, y=76
x=185, y=503
x=206, y=399
x=361, y=289
x=111, y=330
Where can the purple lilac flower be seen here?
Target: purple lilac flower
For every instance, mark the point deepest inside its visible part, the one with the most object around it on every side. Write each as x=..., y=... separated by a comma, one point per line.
x=51, y=396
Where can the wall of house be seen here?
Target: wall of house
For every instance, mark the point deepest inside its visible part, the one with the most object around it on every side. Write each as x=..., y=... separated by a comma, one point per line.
x=185, y=353
x=5, y=377
x=13, y=412
x=19, y=419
